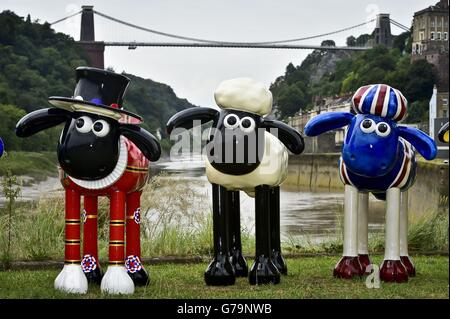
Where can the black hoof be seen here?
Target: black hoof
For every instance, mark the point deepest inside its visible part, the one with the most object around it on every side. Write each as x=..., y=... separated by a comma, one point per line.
x=279, y=262
x=140, y=278
x=263, y=271
x=220, y=272
x=239, y=264
x=94, y=276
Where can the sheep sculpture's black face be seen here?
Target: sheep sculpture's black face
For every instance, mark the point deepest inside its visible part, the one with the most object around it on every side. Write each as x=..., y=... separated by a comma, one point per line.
x=236, y=143
x=89, y=146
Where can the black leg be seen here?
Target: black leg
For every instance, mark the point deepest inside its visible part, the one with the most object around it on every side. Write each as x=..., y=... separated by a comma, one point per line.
x=234, y=213
x=263, y=270
x=275, y=242
x=220, y=272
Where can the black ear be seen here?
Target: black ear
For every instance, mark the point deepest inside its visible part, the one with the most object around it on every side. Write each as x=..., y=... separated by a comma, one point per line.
x=289, y=136
x=40, y=120
x=145, y=141
x=186, y=117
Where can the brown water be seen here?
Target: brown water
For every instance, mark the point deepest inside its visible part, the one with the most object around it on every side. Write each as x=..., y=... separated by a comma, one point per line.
x=306, y=215
x=313, y=216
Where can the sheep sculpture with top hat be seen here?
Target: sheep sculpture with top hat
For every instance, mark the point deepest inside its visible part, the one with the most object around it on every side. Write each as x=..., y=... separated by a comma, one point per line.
x=102, y=151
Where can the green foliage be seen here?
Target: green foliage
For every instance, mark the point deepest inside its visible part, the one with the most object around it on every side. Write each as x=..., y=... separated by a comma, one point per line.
x=155, y=102
x=402, y=42
x=43, y=141
x=296, y=91
x=36, y=62
x=11, y=190
x=38, y=166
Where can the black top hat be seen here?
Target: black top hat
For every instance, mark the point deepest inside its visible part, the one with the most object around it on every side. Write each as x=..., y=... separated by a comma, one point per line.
x=97, y=91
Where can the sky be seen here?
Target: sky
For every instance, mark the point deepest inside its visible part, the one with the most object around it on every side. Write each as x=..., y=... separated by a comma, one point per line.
x=194, y=73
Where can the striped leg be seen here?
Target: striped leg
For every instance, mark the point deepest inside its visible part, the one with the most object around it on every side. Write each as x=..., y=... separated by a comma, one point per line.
x=71, y=278
x=404, y=256
x=116, y=279
x=133, y=251
x=363, y=225
x=349, y=265
x=90, y=264
x=392, y=269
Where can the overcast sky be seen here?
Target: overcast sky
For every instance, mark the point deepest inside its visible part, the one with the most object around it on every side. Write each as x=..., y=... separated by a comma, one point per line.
x=194, y=73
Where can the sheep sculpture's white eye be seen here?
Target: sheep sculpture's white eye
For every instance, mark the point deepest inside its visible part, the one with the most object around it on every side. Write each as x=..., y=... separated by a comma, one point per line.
x=100, y=128
x=83, y=124
x=368, y=126
x=383, y=129
x=247, y=124
x=231, y=121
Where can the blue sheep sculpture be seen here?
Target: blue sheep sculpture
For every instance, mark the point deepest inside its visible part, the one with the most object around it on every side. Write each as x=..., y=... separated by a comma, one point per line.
x=378, y=157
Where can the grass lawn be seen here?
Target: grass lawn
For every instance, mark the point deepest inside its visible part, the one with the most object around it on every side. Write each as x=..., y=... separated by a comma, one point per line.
x=309, y=277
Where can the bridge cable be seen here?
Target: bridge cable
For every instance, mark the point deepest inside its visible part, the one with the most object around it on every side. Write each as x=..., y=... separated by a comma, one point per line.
x=70, y=16
x=399, y=25
x=180, y=37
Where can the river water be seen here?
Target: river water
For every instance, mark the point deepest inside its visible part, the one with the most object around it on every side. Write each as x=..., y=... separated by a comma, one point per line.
x=305, y=215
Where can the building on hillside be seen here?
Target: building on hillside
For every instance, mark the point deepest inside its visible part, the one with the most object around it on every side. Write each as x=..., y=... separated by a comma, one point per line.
x=430, y=39
x=330, y=142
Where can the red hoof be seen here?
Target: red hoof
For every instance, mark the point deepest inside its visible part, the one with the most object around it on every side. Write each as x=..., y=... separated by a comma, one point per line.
x=407, y=262
x=393, y=271
x=347, y=268
x=364, y=260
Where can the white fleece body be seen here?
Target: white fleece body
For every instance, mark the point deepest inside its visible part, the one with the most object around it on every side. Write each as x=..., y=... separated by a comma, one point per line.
x=271, y=171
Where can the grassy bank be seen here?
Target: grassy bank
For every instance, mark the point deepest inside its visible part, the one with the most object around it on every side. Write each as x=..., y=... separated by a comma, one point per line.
x=308, y=278
x=172, y=228
x=35, y=165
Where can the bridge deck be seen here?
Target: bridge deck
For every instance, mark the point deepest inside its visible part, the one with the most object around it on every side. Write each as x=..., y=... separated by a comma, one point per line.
x=228, y=45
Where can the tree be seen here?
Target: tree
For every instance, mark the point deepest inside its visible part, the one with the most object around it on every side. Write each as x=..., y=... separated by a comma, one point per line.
x=351, y=41
x=328, y=43
x=291, y=100
x=401, y=41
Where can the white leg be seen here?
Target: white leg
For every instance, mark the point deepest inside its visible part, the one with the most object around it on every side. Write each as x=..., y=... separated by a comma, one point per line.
x=351, y=221
x=392, y=246
x=392, y=269
x=349, y=265
x=404, y=256
x=363, y=224
x=404, y=224
x=117, y=281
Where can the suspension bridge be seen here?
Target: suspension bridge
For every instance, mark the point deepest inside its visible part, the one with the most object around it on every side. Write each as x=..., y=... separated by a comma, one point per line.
x=94, y=49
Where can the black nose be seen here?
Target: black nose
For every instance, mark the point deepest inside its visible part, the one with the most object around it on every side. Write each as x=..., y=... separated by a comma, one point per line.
x=383, y=165
x=352, y=157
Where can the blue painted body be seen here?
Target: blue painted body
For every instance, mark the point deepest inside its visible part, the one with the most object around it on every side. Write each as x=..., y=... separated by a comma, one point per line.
x=2, y=147
x=380, y=184
x=374, y=162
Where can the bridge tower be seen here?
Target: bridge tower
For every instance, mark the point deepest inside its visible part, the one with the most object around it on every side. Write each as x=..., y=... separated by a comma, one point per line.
x=94, y=50
x=382, y=33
